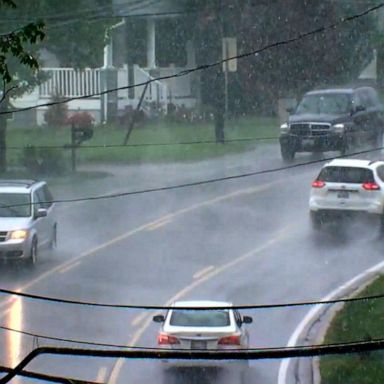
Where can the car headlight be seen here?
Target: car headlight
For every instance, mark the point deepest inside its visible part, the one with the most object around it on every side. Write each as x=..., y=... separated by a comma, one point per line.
x=284, y=128
x=20, y=234
x=338, y=128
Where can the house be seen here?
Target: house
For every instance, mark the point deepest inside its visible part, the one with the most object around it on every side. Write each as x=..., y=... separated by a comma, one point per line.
x=151, y=40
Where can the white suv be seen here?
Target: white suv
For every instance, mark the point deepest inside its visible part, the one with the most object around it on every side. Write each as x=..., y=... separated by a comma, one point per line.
x=27, y=219
x=347, y=186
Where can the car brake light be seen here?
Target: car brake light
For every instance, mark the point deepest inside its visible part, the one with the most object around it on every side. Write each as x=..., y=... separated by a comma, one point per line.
x=318, y=184
x=165, y=339
x=371, y=186
x=230, y=340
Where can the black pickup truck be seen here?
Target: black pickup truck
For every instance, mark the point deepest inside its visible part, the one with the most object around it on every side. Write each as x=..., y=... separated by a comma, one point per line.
x=333, y=119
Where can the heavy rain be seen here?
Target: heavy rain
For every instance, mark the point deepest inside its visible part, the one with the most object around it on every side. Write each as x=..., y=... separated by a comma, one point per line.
x=191, y=191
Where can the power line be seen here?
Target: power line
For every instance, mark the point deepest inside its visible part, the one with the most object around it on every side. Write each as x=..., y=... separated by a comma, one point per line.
x=186, y=72
x=223, y=355
x=163, y=144
x=45, y=377
x=194, y=183
x=162, y=308
x=146, y=348
x=72, y=341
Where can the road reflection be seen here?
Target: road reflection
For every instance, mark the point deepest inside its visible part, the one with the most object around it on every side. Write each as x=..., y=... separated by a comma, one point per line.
x=13, y=339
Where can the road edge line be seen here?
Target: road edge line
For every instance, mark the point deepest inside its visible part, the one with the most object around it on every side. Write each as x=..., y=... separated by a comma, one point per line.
x=314, y=313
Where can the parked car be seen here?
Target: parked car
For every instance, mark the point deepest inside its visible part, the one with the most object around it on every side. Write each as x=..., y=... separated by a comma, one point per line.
x=27, y=219
x=333, y=119
x=347, y=187
x=211, y=329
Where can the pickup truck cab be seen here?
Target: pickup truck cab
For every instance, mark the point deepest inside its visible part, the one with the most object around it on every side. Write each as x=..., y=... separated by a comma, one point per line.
x=333, y=119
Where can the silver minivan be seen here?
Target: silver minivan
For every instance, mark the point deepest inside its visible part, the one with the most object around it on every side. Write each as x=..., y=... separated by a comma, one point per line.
x=27, y=219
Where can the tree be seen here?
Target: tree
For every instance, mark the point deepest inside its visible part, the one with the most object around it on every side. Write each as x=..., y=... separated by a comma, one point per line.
x=72, y=30
x=76, y=29
x=334, y=56
x=18, y=67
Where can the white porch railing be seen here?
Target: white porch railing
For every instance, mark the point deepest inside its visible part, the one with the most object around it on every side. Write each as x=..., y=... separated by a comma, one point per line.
x=156, y=92
x=69, y=82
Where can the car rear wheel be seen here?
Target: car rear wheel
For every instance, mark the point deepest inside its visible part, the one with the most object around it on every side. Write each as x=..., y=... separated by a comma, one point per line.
x=316, y=220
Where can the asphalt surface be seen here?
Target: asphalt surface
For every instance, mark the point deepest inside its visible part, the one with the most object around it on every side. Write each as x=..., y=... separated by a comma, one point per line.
x=246, y=240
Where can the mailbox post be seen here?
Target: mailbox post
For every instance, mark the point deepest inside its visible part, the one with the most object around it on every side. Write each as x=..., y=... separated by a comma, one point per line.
x=78, y=135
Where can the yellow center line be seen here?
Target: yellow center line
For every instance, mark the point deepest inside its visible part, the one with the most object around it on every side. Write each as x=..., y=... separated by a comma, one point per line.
x=69, y=267
x=93, y=251
x=102, y=375
x=202, y=272
x=147, y=319
x=159, y=224
x=169, y=216
x=139, y=318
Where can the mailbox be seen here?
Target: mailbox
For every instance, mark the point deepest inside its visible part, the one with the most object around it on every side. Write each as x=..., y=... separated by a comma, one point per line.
x=80, y=134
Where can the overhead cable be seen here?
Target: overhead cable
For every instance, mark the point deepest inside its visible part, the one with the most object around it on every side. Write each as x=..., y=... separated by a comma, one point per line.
x=186, y=72
x=249, y=354
x=193, y=183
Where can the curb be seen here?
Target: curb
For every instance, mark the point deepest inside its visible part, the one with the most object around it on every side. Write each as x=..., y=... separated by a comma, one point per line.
x=312, y=328
x=328, y=318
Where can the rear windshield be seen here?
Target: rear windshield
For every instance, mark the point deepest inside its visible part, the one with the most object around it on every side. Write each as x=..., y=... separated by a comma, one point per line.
x=15, y=205
x=346, y=175
x=219, y=318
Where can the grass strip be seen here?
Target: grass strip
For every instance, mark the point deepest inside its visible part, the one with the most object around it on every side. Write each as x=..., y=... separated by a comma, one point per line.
x=356, y=321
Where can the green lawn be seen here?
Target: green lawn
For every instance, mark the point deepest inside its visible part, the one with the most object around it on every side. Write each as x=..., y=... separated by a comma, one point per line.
x=152, y=133
x=362, y=320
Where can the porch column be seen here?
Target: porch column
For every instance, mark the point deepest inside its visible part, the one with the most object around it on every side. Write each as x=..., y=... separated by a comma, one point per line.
x=151, y=43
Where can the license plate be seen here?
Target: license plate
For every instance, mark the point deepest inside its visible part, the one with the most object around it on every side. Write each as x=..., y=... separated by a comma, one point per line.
x=198, y=345
x=343, y=194
x=308, y=142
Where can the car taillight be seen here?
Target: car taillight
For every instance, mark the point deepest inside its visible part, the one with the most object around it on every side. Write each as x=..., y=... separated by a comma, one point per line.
x=318, y=184
x=165, y=339
x=230, y=340
x=371, y=186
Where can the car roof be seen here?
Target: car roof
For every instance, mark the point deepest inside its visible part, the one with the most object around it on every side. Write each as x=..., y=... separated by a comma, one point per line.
x=201, y=303
x=330, y=90
x=17, y=185
x=361, y=163
x=340, y=89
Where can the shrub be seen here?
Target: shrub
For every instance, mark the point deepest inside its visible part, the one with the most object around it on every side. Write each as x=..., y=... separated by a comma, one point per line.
x=129, y=113
x=56, y=115
x=43, y=161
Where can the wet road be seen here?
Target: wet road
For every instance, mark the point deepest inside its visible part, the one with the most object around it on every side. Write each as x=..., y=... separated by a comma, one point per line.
x=246, y=240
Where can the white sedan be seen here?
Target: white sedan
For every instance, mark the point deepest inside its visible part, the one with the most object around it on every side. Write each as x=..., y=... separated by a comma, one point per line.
x=210, y=329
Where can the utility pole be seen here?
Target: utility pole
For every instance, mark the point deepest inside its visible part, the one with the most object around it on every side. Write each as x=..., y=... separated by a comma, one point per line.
x=225, y=68
x=219, y=102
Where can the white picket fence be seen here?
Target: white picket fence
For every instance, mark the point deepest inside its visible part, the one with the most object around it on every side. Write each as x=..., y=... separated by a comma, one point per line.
x=73, y=83
x=69, y=82
x=156, y=93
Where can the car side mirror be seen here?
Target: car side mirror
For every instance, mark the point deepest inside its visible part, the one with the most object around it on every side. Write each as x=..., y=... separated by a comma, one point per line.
x=41, y=212
x=290, y=110
x=158, y=319
x=247, y=319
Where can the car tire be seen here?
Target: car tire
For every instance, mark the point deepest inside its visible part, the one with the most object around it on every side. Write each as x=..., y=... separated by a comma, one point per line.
x=53, y=240
x=32, y=258
x=317, y=220
x=381, y=224
x=287, y=153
